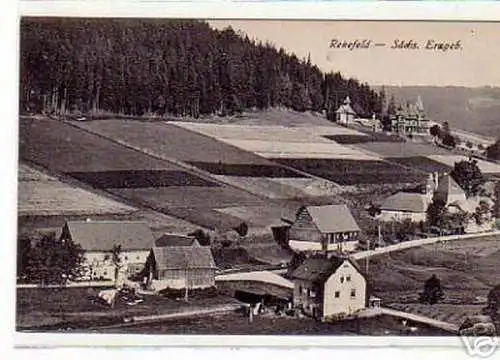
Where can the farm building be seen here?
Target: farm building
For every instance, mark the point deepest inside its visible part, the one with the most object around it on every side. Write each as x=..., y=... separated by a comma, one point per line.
x=345, y=114
x=413, y=206
x=98, y=238
x=324, y=228
x=329, y=286
x=405, y=206
x=177, y=265
x=410, y=119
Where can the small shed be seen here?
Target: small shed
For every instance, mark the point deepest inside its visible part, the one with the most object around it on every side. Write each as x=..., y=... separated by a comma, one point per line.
x=182, y=266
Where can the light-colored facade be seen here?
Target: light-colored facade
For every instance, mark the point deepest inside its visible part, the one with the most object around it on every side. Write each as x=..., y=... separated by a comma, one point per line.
x=344, y=291
x=98, y=265
x=396, y=215
x=345, y=114
x=410, y=119
x=328, y=287
x=98, y=239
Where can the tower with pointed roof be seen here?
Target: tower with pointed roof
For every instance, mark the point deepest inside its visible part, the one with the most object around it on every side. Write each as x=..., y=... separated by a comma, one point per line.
x=411, y=119
x=345, y=113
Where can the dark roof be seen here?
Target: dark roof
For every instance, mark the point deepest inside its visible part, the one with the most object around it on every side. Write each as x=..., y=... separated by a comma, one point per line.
x=318, y=269
x=333, y=218
x=102, y=235
x=183, y=257
x=447, y=187
x=175, y=240
x=404, y=201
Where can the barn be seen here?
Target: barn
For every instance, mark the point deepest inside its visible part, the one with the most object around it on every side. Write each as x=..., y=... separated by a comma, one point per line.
x=98, y=239
x=179, y=266
x=324, y=228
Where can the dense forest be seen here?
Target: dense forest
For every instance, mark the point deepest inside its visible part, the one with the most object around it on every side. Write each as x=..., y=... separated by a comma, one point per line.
x=169, y=67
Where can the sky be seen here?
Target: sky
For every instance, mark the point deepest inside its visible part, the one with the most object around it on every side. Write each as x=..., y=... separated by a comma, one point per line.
x=476, y=64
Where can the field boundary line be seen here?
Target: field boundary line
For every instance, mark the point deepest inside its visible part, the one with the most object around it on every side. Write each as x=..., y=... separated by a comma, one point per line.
x=311, y=176
x=201, y=173
x=136, y=205
x=419, y=242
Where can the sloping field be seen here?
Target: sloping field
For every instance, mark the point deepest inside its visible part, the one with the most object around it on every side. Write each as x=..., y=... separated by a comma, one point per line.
x=267, y=187
x=401, y=149
x=195, y=204
x=40, y=194
x=352, y=172
x=224, y=161
x=286, y=149
x=64, y=148
x=449, y=160
x=282, y=141
x=366, y=138
x=466, y=268
x=421, y=163
x=128, y=173
x=310, y=133
x=259, y=215
x=172, y=141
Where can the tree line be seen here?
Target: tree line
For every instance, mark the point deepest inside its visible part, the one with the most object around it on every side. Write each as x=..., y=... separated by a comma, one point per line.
x=169, y=67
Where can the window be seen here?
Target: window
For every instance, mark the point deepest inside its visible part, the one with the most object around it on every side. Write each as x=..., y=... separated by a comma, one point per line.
x=337, y=294
x=105, y=273
x=126, y=257
x=353, y=292
x=300, y=289
x=137, y=257
x=348, y=278
x=341, y=279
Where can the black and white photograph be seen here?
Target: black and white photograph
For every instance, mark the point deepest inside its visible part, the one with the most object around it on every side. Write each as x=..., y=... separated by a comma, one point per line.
x=259, y=177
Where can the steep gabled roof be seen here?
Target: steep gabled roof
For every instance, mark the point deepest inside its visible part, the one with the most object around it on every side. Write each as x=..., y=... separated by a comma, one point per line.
x=407, y=202
x=319, y=269
x=102, y=235
x=447, y=187
x=332, y=218
x=176, y=240
x=183, y=257
x=345, y=109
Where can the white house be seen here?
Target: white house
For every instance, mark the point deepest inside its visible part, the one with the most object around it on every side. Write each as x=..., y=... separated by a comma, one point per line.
x=329, y=286
x=405, y=206
x=98, y=238
x=345, y=114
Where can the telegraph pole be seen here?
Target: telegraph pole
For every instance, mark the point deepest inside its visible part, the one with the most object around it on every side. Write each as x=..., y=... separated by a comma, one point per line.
x=186, y=291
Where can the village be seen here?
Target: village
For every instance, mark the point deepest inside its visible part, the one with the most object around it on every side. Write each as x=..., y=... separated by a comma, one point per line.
x=326, y=276
x=179, y=178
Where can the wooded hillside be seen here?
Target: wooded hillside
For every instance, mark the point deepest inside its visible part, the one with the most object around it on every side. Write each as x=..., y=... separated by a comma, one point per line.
x=168, y=67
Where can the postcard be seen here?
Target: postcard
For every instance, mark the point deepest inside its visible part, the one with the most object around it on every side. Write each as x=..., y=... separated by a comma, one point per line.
x=323, y=183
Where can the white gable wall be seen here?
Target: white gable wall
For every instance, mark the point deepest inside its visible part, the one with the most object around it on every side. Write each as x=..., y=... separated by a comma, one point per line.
x=393, y=215
x=345, y=303
x=98, y=266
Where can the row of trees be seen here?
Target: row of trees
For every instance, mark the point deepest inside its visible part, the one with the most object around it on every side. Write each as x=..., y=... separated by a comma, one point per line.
x=176, y=67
